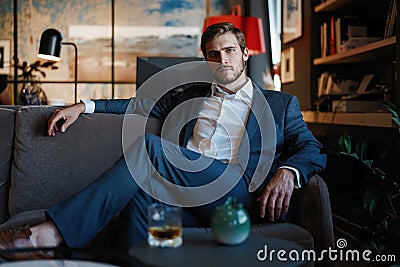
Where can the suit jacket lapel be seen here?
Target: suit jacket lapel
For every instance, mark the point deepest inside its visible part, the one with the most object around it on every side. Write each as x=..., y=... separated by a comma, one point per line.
x=261, y=143
x=190, y=115
x=258, y=107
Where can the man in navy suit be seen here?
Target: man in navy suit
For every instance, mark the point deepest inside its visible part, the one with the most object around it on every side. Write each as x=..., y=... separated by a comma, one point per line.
x=236, y=140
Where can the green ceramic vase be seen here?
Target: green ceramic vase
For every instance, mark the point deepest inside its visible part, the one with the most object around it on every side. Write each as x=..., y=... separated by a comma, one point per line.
x=230, y=223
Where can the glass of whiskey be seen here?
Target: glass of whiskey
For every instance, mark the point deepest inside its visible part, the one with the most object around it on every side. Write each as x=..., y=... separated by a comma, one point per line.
x=165, y=225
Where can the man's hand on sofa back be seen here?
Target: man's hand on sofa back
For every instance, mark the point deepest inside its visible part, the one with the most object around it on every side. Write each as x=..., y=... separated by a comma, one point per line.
x=63, y=118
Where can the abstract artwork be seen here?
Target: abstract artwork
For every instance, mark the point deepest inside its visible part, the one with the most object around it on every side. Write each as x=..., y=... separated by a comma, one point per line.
x=292, y=20
x=130, y=42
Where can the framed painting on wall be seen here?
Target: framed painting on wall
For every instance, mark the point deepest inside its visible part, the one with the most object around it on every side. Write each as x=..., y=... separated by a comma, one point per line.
x=130, y=42
x=5, y=58
x=291, y=20
x=287, y=65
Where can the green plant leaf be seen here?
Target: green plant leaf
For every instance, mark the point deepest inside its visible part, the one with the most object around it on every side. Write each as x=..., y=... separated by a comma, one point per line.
x=353, y=155
x=369, y=163
x=374, y=246
x=361, y=149
x=345, y=143
x=393, y=109
x=370, y=200
x=379, y=173
x=384, y=223
x=377, y=247
x=396, y=120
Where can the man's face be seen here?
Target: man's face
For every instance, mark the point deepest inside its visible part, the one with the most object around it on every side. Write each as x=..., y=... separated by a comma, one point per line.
x=225, y=50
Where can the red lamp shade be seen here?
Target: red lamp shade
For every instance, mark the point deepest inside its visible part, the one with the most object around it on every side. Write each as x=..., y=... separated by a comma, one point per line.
x=251, y=27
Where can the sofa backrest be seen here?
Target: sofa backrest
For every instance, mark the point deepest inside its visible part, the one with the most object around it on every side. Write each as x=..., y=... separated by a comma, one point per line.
x=47, y=169
x=7, y=117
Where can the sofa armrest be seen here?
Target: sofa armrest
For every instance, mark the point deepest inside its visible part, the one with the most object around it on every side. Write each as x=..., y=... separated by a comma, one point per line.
x=313, y=212
x=7, y=118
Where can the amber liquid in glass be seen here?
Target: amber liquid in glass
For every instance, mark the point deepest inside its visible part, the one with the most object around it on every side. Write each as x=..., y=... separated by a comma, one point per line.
x=166, y=232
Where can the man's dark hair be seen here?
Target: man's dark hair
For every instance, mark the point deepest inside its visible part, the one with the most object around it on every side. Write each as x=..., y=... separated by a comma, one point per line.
x=215, y=30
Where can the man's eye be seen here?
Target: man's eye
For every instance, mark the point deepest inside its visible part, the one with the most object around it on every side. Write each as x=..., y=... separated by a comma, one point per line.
x=230, y=50
x=213, y=54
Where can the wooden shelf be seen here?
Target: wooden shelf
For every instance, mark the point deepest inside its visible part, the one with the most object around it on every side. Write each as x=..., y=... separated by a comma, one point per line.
x=379, y=49
x=355, y=119
x=334, y=5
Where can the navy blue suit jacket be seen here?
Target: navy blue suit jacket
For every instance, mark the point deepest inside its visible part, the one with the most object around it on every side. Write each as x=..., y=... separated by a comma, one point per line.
x=295, y=145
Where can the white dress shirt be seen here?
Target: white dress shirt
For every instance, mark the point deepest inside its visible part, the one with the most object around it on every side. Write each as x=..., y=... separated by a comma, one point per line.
x=221, y=123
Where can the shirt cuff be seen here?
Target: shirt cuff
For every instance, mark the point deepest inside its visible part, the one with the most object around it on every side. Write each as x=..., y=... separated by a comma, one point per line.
x=297, y=183
x=89, y=106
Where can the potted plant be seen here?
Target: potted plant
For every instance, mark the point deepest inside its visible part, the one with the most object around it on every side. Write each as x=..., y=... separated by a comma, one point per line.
x=31, y=92
x=381, y=200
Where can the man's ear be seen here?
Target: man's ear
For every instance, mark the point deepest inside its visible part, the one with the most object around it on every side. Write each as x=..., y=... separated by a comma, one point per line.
x=245, y=54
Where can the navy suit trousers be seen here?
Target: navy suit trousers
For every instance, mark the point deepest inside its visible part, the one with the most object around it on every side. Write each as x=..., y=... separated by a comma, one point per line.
x=80, y=218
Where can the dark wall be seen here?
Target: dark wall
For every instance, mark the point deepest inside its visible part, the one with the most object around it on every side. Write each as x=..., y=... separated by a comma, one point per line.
x=396, y=92
x=303, y=87
x=258, y=65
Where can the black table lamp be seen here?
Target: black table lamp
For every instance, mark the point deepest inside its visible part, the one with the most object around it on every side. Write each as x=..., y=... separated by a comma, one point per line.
x=50, y=49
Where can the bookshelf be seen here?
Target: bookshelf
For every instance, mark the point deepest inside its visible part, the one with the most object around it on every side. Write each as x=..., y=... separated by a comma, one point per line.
x=379, y=57
x=349, y=58
x=383, y=120
x=334, y=5
x=382, y=48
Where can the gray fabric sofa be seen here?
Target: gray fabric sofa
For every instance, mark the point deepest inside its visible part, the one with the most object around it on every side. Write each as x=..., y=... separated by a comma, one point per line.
x=37, y=171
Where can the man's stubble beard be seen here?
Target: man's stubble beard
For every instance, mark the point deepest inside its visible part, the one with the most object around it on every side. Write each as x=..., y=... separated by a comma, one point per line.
x=224, y=79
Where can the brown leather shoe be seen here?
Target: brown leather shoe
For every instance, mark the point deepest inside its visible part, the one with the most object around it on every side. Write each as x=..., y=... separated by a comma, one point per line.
x=12, y=239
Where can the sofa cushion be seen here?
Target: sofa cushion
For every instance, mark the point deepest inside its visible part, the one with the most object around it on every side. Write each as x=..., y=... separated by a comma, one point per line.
x=7, y=117
x=47, y=169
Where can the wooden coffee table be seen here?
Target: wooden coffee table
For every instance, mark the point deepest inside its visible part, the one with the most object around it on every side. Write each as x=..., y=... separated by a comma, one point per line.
x=204, y=250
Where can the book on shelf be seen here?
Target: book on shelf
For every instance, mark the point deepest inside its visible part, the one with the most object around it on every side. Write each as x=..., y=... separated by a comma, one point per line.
x=339, y=34
x=327, y=39
x=322, y=82
x=365, y=82
x=332, y=84
x=346, y=28
x=390, y=20
x=324, y=39
x=332, y=42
